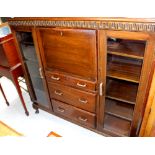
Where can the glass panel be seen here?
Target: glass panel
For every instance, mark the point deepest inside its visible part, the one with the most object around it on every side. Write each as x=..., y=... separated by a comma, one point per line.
x=124, y=64
x=29, y=55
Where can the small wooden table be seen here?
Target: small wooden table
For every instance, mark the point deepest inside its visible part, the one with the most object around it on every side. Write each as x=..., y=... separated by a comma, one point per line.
x=10, y=65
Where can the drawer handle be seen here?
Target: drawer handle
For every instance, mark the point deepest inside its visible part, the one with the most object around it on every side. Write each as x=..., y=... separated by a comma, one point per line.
x=55, y=78
x=58, y=93
x=83, y=101
x=81, y=85
x=60, y=109
x=83, y=119
x=41, y=73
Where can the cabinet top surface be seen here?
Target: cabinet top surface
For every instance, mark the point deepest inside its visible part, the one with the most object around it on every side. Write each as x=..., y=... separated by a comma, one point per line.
x=106, y=23
x=114, y=19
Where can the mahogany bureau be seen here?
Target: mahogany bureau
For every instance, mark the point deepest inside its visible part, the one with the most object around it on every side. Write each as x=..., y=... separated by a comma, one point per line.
x=91, y=71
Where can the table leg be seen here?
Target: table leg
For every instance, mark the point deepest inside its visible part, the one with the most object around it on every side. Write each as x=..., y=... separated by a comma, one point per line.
x=4, y=95
x=15, y=80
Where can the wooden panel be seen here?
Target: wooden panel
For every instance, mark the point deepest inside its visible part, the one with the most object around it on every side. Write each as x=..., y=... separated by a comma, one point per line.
x=102, y=65
x=119, y=109
x=142, y=90
x=66, y=79
x=78, y=115
x=3, y=58
x=148, y=124
x=80, y=99
x=10, y=50
x=122, y=91
x=116, y=125
x=128, y=35
x=69, y=50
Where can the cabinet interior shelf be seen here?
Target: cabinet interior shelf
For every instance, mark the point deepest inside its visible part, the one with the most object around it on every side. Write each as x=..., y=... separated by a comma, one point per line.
x=27, y=43
x=116, y=125
x=124, y=71
x=121, y=91
x=119, y=109
x=131, y=49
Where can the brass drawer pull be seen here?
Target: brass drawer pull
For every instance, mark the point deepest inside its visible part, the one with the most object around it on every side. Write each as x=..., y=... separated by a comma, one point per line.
x=83, y=119
x=55, y=78
x=60, y=109
x=58, y=93
x=81, y=85
x=61, y=33
x=83, y=101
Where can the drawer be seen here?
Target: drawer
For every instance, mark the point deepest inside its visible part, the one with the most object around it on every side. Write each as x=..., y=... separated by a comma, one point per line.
x=69, y=50
x=70, y=81
x=75, y=97
x=73, y=113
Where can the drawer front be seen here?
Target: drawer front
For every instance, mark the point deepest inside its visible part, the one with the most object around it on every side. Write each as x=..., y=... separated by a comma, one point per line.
x=80, y=99
x=69, y=50
x=70, y=81
x=73, y=113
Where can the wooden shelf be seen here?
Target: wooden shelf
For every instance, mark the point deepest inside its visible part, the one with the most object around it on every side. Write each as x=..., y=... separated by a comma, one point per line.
x=27, y=43
x=131, y=49
x=124, y=71
x=116, y=125
x=121, y=91
x=119, y=109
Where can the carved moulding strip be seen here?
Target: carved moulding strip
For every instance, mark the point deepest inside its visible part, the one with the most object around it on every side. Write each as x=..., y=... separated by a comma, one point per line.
x=109, y=25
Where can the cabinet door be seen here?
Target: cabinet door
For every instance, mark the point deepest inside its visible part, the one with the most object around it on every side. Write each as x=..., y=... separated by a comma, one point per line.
x=69, y=50
x=125, y=60
x=32, y=64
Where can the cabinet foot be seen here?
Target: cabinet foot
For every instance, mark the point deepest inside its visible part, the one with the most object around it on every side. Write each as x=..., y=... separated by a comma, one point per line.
x=37, y=111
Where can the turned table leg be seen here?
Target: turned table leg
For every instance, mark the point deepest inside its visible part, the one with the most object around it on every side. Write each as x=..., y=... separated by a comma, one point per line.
x=15, y=80
x=4, y=95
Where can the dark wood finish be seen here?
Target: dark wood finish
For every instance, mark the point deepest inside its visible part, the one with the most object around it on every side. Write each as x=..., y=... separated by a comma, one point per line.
x=67, y=79
x=142, y=90
x=116, y=125
x=122, y=91
x=102, y=65
x=127, y=48
x=69, y=50
x=76, y=50
x=75, y=97
x=9, y=51
x=123, y=71
x=76, y=114
x=119, y=109
x=12, y=69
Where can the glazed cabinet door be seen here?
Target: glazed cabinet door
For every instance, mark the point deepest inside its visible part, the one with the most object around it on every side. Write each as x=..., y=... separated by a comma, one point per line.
x=72, y=51
x=33, y=66
x=125, y=60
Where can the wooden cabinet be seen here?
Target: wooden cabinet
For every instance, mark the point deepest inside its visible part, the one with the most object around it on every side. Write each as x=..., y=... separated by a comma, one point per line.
x=95, y=71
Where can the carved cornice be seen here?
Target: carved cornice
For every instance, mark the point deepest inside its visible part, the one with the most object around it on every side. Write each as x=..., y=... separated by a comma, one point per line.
x=108, y=25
